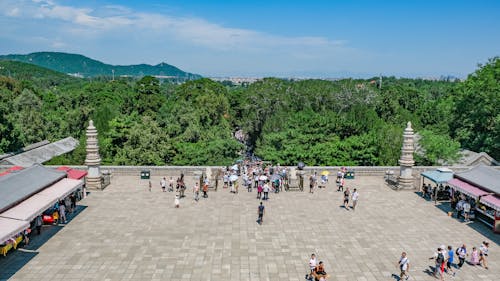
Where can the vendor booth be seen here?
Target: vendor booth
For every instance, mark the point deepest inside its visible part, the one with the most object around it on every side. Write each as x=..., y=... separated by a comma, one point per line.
x=491, y=204
x=440, y=177
x=481, y=185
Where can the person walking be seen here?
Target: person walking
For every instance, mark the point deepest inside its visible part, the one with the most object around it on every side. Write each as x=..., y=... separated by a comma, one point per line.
x=346, y=198
x=259, y=191
x=449, y=261
x=196, y=191
x=176, y=201
x=171, y=185
x=462, y=254
x=150, y=185
x=483, y=254
x=404, y=266
x=474, y=257
x=260, y=212
x=311, y=183
x=163, y=183
x=266, y=189
x=439, y=259
x=205, y=190
x=354, y=197
x=62, y=212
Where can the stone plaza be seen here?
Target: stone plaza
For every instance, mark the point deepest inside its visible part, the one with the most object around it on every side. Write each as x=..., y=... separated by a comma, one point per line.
x=126, y=232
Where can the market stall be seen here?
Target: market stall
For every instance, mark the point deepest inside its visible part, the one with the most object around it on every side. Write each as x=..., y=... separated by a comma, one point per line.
x=439, y=177
x=482, y=187
x=490, y=207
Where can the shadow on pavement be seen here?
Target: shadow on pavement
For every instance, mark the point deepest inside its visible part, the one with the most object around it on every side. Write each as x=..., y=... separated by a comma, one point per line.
x=476, y=224
x=17, y=259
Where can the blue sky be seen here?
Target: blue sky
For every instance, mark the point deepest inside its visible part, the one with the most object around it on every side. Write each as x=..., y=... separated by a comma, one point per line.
x=263, y=38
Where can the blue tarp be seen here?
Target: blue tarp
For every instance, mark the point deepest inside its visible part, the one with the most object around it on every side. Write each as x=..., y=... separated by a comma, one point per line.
x=438, y=176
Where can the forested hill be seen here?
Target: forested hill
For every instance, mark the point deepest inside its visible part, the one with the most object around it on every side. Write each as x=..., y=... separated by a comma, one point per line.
x=345, y=122
x=87, y=67
x=40, y=76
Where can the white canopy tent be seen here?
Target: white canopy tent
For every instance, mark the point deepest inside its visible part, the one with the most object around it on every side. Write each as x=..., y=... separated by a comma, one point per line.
x=11, y=227
x=38, y=203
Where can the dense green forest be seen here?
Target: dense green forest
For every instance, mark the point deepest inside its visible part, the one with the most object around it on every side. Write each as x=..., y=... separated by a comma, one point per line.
x=345, y=122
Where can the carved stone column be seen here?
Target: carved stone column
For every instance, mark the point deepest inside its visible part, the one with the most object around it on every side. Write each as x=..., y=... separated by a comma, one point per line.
x=93, y=160
x=405, y=179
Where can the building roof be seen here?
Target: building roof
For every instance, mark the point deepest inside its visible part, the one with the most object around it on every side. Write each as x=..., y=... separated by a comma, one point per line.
x=16, y=187
x=471, y=158
x=42, y=153
x=484, y=177
x=439, y=175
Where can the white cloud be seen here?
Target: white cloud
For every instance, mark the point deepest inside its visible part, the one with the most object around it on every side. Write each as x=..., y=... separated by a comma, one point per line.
x=196, y=31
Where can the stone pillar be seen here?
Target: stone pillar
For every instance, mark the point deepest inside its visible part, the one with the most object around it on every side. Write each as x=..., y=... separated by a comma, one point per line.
x=405, y=179
x=93, y=160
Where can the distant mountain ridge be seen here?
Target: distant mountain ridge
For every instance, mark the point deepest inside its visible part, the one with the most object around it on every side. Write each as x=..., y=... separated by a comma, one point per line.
x=82, y=66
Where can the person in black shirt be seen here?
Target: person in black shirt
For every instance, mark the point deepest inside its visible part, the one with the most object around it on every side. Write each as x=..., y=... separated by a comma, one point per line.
x=260, y=212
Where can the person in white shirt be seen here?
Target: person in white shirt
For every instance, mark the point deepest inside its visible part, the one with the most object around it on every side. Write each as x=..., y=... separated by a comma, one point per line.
x=196, y=191
x=354, y=198
x=404, y=266
x=466, y=207
x=313, y=262
x=176, y=201
x=163, y=184
x=483, y=254
x=266, y=189
x=62, y=212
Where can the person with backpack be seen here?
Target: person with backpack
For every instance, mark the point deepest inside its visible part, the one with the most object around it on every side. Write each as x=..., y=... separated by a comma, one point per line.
x=260, y=212
x=461, y=254
x=439, y=263
x=404, y=266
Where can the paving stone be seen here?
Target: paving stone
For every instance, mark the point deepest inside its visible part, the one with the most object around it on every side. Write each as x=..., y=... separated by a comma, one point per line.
x=128, y=233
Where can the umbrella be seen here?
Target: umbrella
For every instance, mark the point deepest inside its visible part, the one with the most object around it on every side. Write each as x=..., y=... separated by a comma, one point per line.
x=301, y=165
x=239, y=161
x=263, y=178
x=233, y=178
x=325, y=173
x=234, y=168
x=275, y=177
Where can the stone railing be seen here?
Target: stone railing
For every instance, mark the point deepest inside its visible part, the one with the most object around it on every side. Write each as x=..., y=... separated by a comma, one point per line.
x=197, y=170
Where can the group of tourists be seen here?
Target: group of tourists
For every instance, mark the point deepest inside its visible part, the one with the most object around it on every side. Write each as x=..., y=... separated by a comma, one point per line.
x=445, y=258
x=317, y=270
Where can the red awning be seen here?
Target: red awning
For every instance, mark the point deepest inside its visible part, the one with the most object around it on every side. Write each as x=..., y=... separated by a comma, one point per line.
x=467, y=188
x=16, y=168
x=11, y=169
x=76, y=174
x=491, y=201
x=73, y=173
x=64, y=168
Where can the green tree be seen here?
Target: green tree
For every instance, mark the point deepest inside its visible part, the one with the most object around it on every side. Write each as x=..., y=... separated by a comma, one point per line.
x=477, y=112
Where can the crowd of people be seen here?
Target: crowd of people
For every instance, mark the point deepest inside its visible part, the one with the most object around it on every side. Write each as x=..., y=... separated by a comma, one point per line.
x=266, y=179
x=445, y=260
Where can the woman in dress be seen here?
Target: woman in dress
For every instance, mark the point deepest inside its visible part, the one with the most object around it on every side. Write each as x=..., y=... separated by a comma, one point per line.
x=474, y=256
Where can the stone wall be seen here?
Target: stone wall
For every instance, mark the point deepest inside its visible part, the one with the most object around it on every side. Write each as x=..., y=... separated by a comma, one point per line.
x=196, y=170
